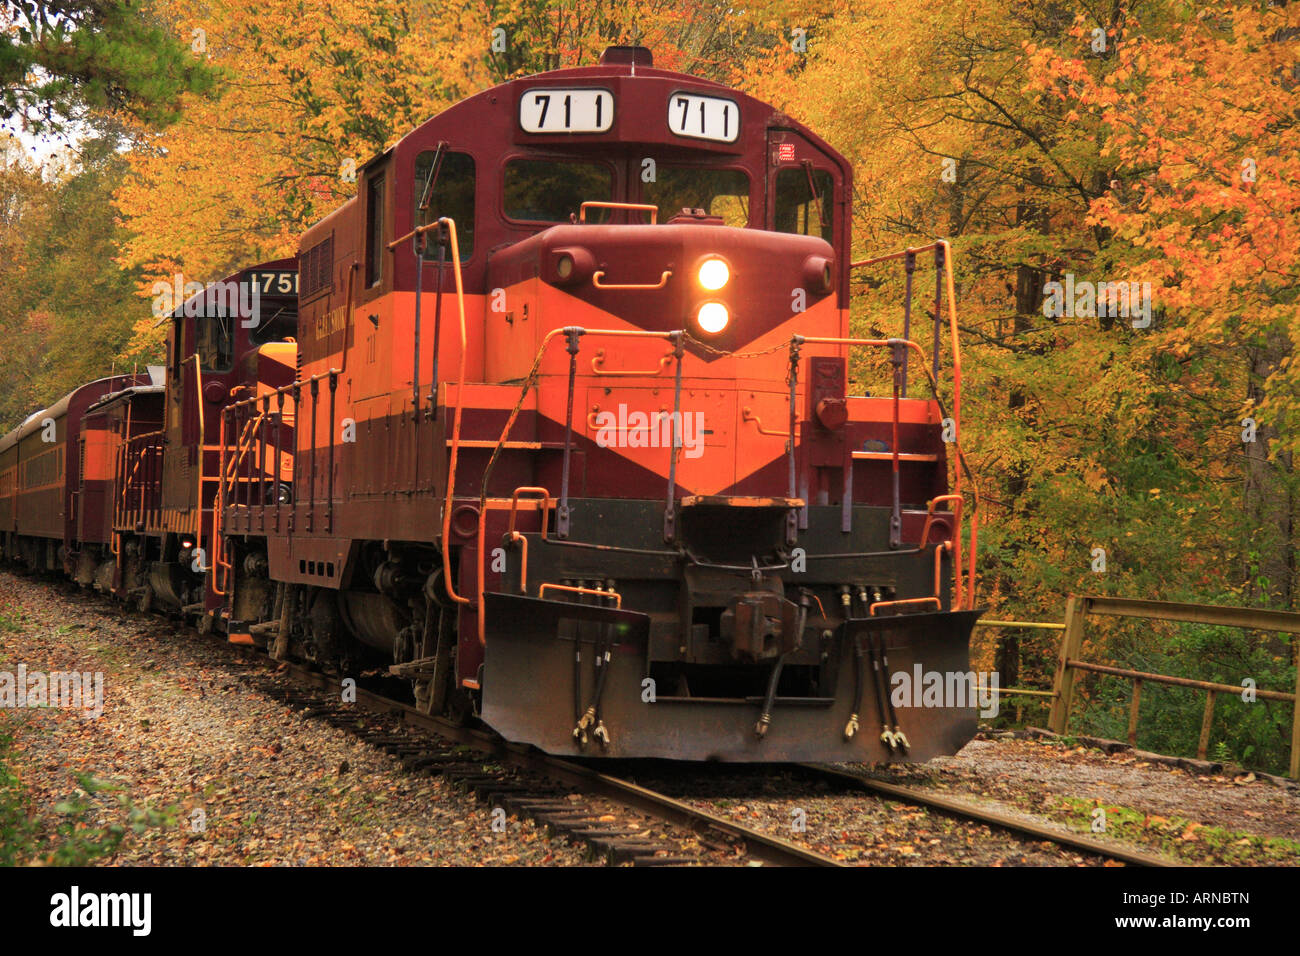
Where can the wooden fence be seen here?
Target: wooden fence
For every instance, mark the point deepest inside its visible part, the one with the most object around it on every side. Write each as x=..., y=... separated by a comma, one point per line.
x=1069, y=664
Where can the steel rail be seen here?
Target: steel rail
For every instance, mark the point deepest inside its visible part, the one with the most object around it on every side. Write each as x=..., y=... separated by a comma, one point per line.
x=760, y=846
x=996, y=818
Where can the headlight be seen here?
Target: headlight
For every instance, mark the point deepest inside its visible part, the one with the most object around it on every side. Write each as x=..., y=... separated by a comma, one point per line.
x=818, y=275
x=570, y=265
x=712, y=317
x=713, y=274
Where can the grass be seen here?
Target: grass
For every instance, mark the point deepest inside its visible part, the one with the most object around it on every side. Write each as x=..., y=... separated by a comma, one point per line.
x=1177, y=836
x=73, y=837
x=16, y=826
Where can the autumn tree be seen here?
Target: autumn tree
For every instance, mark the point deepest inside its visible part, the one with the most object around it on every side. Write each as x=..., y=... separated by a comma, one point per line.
x=66, y=308
x=1201, y=128
x=972, y=122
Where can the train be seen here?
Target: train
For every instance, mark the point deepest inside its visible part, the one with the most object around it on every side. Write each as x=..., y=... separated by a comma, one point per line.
x=557, y=420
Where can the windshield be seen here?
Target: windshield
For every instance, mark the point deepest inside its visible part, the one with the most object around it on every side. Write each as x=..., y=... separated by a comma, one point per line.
x=719, y=192
x=544, y=190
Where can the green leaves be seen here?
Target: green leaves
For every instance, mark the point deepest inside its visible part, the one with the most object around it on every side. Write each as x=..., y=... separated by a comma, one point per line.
x=67, y=56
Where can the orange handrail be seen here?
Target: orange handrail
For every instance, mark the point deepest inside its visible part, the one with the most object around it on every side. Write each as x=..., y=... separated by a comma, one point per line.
x=531, y=490
x=450, y=225
x=954, y=545
x=624, y=286
x=951, y=296
x=634, y=206
x=907, y=601
x=599, y=360
x=747, y=415
x=218, y=510
x=618, y=598
x=547, y=339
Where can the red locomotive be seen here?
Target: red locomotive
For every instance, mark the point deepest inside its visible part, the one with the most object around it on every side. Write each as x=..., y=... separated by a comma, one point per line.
x=555, y=422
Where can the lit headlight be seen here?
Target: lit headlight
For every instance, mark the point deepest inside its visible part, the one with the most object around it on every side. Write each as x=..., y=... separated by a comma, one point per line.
x=713, y=275
x=712, y=317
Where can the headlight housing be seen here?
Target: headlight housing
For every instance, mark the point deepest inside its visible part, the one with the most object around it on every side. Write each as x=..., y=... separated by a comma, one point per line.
x=570, y=265
x=713, y=318
x=818, y=275
x=713, y=274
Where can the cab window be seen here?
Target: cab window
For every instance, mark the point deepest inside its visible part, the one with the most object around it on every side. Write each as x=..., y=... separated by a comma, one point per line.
x=375, y=231
x=804, y=202
x=215, y=341
x=447, y=191
x=543, y=190
x=283, y=324
x=719, y=192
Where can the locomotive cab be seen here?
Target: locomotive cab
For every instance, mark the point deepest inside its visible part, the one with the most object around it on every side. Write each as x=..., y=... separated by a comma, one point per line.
x=227, y=340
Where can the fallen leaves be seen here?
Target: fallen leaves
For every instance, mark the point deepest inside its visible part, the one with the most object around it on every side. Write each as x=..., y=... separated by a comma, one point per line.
x=267, y=779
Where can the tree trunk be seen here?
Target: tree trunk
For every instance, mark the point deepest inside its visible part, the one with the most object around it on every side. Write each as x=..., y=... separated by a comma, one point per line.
x=1269, y=497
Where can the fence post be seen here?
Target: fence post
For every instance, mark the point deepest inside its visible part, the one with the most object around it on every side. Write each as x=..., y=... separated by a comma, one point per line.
x=1203, y=746
x=1295, y=722
x=1071, y=644
x=1133, y=706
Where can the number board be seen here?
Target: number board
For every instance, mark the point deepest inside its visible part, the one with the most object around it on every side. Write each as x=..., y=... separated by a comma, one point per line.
x=704, y=117
x=566, y=111
x=273, y=281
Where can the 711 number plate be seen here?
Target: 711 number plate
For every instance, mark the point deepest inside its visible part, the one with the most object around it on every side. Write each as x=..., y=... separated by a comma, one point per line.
x=566, y=111
x=704, y=117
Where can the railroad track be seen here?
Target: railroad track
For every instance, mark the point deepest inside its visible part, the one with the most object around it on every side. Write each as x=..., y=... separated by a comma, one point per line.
x=543, y=786
x=749, y=844
x=780, y=793
x=965, y=810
